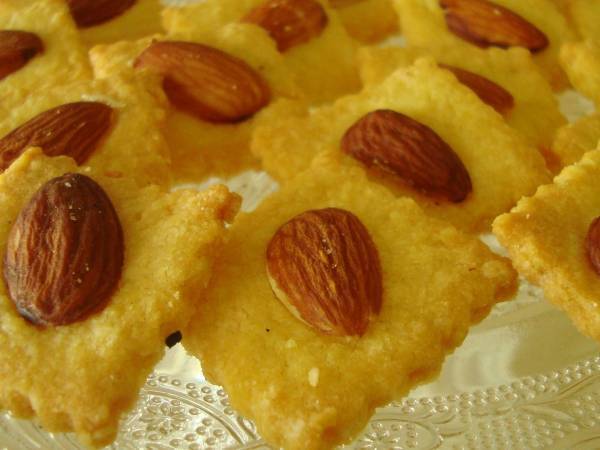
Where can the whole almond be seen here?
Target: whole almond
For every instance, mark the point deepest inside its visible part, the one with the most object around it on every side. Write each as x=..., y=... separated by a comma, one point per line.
x=16, y=49
x=64, y=253
x=72, y=129
x=206, y=82
x=88, y=13
x=324, y=267
x=489, y=92
x=592, y=245
x=289, y=22
x=409, y=150
x=486, y=24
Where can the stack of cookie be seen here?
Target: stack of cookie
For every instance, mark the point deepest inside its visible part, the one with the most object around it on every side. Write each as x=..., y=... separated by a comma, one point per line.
x=348, y=286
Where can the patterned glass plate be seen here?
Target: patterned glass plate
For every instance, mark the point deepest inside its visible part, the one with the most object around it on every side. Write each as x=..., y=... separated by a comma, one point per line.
x=523, y=379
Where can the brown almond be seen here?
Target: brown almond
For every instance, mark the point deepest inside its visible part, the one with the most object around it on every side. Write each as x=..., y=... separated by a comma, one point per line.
x=592, y=245
x=409, y=150
x=72, y=129
x=489, y=92
x=289, y=22
x=206, y=82
x=487, y=24
x=64, y=253
x=16, y=49
x=88, y=13
x=324, y=267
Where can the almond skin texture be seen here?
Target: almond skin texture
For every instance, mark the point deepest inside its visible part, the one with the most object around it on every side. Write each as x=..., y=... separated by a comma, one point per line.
x=289, y=22
x=206, y=82
x=88, y=13
x=486, y=24
x=16, y=49
x=72, y=129
x=64, y=253
x=411, y=151
x=488, y=91
x=324, y=267
x=592, y=245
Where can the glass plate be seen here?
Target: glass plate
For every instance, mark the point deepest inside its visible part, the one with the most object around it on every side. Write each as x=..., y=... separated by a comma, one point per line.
x=523, y=379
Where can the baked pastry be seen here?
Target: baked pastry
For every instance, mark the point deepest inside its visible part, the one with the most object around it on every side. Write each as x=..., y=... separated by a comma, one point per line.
x=521, y=94
x=581, y=61
x=204, y=146
x=83, y=375
x=92, y=121
x=585, y=15
x=367, y=21
x=307, y=33
x=476, y=25
x=105, y=22
x=550, y=238
x=313, y=381
x=573, y=140
x=50, y=49
x=502, y=167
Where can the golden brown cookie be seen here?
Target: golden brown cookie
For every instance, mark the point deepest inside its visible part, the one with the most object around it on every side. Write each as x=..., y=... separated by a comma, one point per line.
x=585, y=15
x=131, y=19
x=534, y=110
x=130, y=142
x=59, y=58
x=501, y=165
x=574, y=139
x=98, y=364
x=201, y=148
x=321, y=57
x=424, y=24
x=309, y=390
x=581, y=62
x=368, y=21
x=546, y=238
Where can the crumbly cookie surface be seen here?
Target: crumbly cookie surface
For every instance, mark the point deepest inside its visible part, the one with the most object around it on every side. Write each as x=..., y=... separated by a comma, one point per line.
x=581, y=61
x=424, y=25
x=64, y=57
x=126, y=149
x=141, y=20
x=585, y=15
x=324, y=67
x=535, y=113
x=198, y=148
x=502, y=166
x=97, y=366
x=368, y=21
x=305, y=390
x=575, y=139
x=545, y=236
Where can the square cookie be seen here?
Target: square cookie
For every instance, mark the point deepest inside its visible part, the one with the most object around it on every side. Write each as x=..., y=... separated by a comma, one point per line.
x=308, y=390
x=501, y=165
x=423, y=22
x=60, y=57
x=575, y=139
x=83, y=376
x=140, y=19
x=581, y=61
x=546, y=234
x=367, y=21
x=131, y=104
x=318, y=51
x=201, y=148
x=530, y=106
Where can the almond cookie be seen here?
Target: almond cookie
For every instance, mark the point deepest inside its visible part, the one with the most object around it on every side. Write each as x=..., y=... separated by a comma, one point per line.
x=573, y=140
x=115, y=20
x=581, y=61
x=100, y=354
x=474, y=26
x=307, y=33
x=311, y=376
x=113, y=125
x=585, y=15
x=368, y=21
x=40, y=48
x=501, y=166
x=210, y=139
x=521, y=94
x=552, y=241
